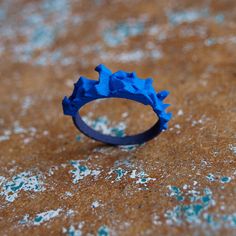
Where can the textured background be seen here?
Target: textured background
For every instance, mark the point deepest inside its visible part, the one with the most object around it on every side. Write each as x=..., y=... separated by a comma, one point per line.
x=53, y=180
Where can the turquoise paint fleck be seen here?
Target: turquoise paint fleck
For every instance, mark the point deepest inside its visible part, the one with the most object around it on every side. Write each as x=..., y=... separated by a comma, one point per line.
x=3, y=13
x=232, y=147
x=74, y=232
x=40, y=217
x=15, y=188
x=210, y=41
x=25, y=219
x=103, y=231
x=225, y=179
x=180, y=198
x=209, y=218
x=196, y=212
x=190, y=15
x=141, y=178
x=219, y=18
x=46, y=216
x=103, y=125
x=24, y=181
x=81, y=171
x=128, y=148
x=190, y=213
x=211, y=177
x=217, y=221
x=122, y=31
x=42, y=23
x=120, y=173
x=117, y=132
x=176, y=192
x=83, y=168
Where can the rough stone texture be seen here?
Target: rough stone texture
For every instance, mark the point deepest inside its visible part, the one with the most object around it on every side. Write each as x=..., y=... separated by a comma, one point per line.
x=53, y=181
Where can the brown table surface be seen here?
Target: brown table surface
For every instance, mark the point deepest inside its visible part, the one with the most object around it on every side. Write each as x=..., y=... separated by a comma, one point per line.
x=56, y=181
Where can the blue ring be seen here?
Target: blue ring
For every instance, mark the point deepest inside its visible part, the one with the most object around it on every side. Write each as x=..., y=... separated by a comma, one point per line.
x=117, y=85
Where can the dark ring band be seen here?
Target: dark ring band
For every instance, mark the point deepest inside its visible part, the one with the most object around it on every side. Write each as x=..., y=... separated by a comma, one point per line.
x=117, y=85
x=113, y=140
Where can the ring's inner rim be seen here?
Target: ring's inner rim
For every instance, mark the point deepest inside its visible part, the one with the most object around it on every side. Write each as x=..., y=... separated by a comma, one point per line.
x=114, y=140
x=118, y=116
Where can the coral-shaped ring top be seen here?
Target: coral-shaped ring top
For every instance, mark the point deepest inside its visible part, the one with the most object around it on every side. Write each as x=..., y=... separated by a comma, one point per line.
x=117, y=85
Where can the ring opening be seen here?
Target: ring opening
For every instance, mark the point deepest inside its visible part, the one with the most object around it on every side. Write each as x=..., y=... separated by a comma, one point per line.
x=118, y=138
x=117, y=116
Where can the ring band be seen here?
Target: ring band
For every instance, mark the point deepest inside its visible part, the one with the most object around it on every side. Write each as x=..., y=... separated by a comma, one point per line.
x=118, y=85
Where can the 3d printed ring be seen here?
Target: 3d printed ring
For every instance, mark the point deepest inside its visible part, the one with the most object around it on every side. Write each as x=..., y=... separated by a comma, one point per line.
x=117, y=85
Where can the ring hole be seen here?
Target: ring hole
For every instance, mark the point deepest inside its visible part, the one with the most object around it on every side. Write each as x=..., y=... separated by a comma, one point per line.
x=118, y=117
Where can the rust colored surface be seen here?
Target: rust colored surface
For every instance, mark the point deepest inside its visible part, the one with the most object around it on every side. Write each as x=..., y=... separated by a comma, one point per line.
x=55, y=181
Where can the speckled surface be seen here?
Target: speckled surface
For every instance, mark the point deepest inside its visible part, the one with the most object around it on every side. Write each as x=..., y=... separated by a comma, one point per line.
x=55, y=181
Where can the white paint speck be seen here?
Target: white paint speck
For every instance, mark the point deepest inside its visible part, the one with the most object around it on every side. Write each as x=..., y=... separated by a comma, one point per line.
x=68, y=194
x=26, y=104
x=45, y=132
x=4, y=138
x=185, y=186
x=133, y=174
x=40, y=217
x=27, y=140
x=81, y=171
x=124, y=114
x=177, y=126
x=232, y=148
x=95, y=204
x=180, y=112
x=46, y=216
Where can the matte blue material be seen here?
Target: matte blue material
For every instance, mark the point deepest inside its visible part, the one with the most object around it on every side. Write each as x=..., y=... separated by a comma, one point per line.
x=117, y=85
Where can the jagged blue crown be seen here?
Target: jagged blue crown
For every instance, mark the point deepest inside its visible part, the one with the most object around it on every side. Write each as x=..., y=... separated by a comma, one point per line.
x=119, y=85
